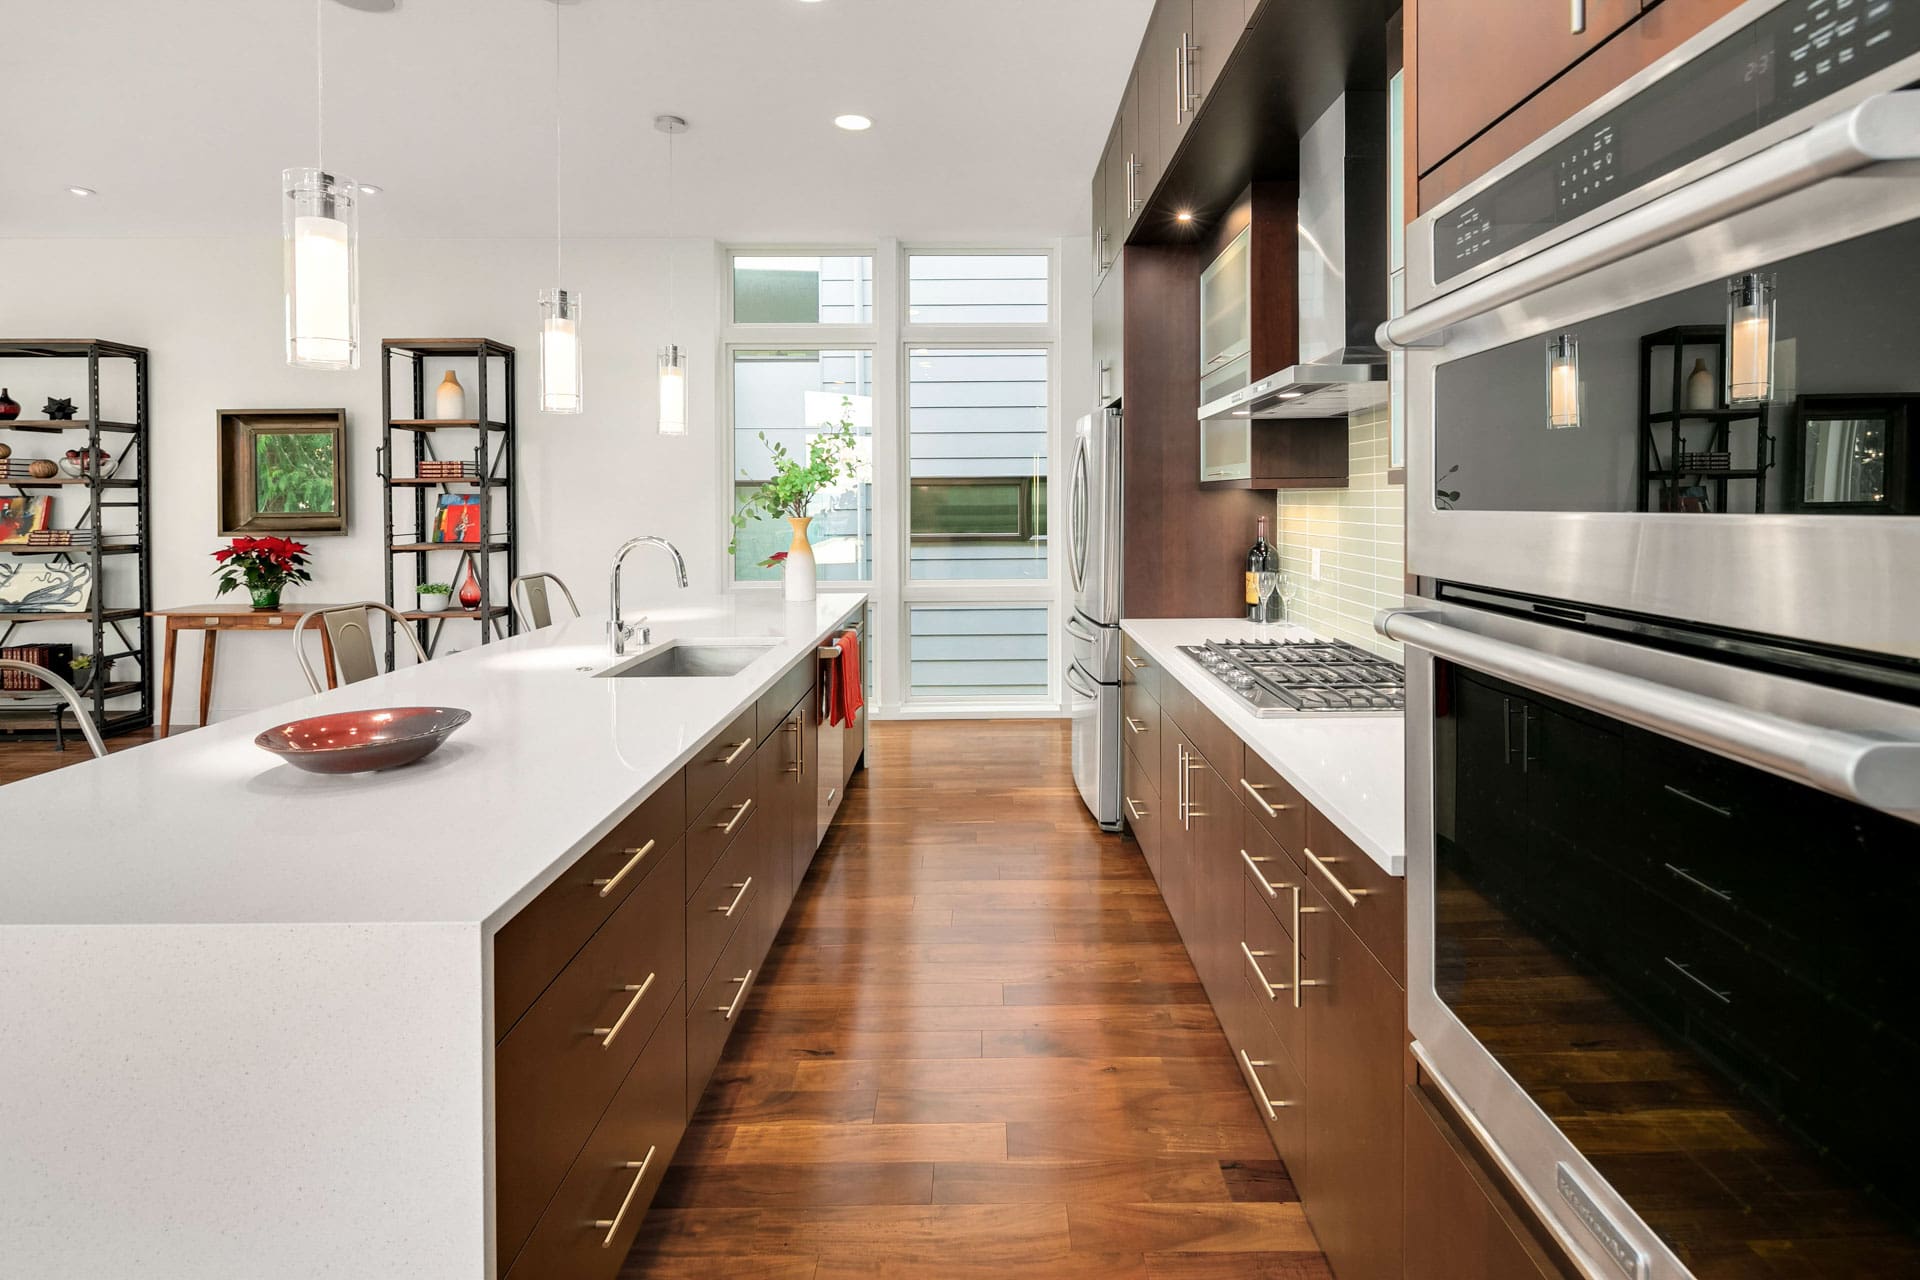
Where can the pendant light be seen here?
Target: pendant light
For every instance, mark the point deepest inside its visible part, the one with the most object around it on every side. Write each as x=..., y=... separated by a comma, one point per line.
x=1563, y=382
x=320, y=235
x=1750, y=338
x=673, y=362
x=561, y=385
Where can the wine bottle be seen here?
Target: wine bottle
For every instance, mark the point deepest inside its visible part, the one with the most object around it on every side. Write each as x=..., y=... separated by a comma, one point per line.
x=1261, y=559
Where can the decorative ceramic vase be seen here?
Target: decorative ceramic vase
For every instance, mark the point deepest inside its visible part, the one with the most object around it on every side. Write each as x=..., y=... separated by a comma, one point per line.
x=434, y=601
x=266, y=599
x=43, y=469
x=450, y=398
x=9, y=407
x=797, y=573
x=1703, y=390
x=470, y=590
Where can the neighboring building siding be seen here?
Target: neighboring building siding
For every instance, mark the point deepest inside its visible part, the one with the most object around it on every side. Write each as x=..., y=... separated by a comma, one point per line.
x=974, y=651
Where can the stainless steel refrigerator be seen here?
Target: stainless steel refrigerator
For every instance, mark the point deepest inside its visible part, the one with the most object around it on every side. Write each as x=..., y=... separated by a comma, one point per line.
x=1093, y=624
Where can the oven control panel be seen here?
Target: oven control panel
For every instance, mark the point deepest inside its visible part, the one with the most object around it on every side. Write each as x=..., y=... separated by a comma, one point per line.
x=1788, y=57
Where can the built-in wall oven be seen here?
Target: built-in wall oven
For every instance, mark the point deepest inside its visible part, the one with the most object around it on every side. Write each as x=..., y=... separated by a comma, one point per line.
x=1663, y=666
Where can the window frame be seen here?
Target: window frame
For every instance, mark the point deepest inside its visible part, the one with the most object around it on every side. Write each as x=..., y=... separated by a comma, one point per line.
x=732, y=252
x=1047, y=330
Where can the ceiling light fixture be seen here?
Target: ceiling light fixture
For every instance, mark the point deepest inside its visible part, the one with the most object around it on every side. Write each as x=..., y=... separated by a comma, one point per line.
x=561, y=381
x=1750, y=338
x=853, y=123
x=321, y=251
x=673, y=363
x=81, y=191
x=1185, y=215
x=369, y=189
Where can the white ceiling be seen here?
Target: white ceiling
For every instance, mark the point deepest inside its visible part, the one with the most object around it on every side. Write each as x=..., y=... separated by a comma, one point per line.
x=988, y=115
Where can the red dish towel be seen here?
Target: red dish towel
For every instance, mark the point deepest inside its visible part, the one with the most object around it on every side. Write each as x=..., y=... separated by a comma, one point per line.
x=845, y=699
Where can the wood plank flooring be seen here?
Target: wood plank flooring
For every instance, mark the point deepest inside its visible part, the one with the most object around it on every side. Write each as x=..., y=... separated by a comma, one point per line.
x=978, y=1050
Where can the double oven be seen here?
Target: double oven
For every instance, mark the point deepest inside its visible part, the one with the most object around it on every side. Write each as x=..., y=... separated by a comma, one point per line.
x=1662, y=374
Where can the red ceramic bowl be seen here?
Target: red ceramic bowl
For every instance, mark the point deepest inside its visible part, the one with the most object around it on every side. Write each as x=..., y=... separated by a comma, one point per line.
x=363, y=741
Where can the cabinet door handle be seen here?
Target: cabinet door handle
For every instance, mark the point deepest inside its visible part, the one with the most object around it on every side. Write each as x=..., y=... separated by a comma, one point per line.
x=1506, y=731
x=1180, y=787
x=1578, y=19
x=1697, y=882
x=612, y=1225
x=1192, y=100
x=1134, y=809
x=1704, y=804
x=1179, y=74
x=739, y=812
x=1136, y=663
x=1352, y=896
x=1254, y=789
x=1260, y=877
x=612, y=882
x=742, y=888
x=728, y=1008
x=1194, y=765
x=1300, y=946
x=1135, y=725
x=607, y=1034
x=1686, y=971
x=1273, y=989
x=734, y=754
x=1267, y=1104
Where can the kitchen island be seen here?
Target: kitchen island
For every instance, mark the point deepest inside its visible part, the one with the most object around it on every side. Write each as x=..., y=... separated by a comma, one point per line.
x=255, y=1021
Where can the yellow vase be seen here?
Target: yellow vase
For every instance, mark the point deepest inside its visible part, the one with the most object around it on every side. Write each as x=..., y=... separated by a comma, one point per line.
x=797, y=572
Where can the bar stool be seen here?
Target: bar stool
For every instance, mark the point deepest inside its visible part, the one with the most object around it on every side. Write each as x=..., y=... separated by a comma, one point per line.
x=351, y=632
x=69, y=695
x=528, y=592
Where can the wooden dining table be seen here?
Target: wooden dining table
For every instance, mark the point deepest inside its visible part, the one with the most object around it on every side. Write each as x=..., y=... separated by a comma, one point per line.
x=211, y=620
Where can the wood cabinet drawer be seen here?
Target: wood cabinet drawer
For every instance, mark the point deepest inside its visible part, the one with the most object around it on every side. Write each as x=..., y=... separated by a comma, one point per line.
x=1270, y=962
x=1272, y=872
x=556, y=1070
x=1137, y=670
x=1140, y=802
x=729, y=895
x=1217, y=744
x=530, y=949
x=1140, y=722
x=593, y=1218
x=1373, y=903
x=724, y=817
x=715, y=1009
x=778, y=702
x=1278, y=1094
x=1273, y=802
x=720, y=760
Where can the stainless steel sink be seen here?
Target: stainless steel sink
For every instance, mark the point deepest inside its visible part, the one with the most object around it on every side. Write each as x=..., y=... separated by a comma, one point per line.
x=677, y=660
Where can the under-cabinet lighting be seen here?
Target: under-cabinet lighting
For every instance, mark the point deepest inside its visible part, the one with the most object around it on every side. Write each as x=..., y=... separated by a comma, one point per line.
x=1750, y=338
x=1563, y=382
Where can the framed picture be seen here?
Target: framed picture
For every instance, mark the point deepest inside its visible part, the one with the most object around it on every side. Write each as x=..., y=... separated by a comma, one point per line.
x=1852, y=455
x=457, y=519
x=282, y=471
x=45, y=586
x=22, y=516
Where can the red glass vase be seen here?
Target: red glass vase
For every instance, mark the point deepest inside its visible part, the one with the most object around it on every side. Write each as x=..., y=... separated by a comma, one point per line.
x=470, y=590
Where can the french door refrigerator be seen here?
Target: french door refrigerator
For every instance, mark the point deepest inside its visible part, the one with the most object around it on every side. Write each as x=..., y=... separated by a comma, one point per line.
x=1093, y=622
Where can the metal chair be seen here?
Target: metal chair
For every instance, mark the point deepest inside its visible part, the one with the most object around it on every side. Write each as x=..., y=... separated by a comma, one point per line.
x=528, y=592
x=68, y=694
x=350, y=632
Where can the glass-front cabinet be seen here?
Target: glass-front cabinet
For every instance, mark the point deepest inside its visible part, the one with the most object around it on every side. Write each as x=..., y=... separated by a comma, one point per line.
x=1226, y=320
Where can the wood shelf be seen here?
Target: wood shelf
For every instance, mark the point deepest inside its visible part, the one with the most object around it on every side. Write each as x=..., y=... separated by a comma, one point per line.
x=1707, y=415
x=116, y=549
x=434, y=424
x=51, y=425
x=27, y=482
x=82, y=615
x=410, y=482
x=472, y=615
x=448, y=546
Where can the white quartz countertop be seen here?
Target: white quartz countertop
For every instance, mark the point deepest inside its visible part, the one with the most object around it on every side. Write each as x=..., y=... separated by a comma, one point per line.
x=1351, y=768
x=207, y=828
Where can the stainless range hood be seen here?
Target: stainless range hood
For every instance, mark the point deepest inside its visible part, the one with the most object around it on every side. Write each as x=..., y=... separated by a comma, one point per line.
x=1342, y=290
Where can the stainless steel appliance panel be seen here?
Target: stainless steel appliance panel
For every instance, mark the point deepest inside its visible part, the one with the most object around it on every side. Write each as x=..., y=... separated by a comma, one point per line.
x=1094, y=517
x=1095, y=712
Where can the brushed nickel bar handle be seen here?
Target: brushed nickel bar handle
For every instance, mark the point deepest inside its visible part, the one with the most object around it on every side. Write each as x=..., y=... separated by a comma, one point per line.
x=1135, y=725
x=1686, y=971
x=1180, y=787
x=1273, y=989
x=827, y=651
x=612, y=882
x=1136, y=664
x=1688, y=795
x=1697, y=882
x=1300, y=946
x=1253, y=864
x=1352, y=896
x=612, y=1225
x=1194, y=765
x=1254, y=789
x=729, y=1008
x=739, y=812
x=734, y=754
x=607, y=1034
x=1577, y=24
x=1134, y=809
x=742, y=887
x=1267, y=1104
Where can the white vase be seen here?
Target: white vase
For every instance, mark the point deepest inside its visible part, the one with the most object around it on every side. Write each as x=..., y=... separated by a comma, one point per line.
x=450, y=398
x=434, y=602
x=1702, y=390
x=797, y=572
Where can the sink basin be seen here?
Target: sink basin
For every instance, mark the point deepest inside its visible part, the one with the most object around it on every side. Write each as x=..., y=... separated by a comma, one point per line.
x=679, y=660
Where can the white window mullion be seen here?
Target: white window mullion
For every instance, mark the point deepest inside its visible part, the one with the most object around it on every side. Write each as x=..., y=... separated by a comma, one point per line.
x=889, y=466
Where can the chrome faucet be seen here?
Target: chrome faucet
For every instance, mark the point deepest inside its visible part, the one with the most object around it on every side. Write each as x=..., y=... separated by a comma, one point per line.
x=619, y=630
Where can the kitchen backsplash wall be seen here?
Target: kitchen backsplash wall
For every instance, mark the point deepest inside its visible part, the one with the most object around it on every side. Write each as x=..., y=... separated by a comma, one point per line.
x=1360, y=535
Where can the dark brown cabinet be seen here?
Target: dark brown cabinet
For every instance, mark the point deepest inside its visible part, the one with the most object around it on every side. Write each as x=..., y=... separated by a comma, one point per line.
x=1459, y=1226
x=1109, y=351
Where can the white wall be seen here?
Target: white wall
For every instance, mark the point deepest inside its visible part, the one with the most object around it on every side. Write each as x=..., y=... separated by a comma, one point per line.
x=209, y=310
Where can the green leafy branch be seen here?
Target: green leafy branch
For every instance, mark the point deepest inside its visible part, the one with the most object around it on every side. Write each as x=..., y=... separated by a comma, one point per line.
x=831, y=456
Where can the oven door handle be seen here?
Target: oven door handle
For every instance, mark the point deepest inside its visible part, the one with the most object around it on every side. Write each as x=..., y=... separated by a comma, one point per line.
x=1881, y=772
x=1881, y=130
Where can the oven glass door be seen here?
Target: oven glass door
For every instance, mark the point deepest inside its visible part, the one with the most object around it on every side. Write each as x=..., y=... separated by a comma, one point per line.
x=1701, y=973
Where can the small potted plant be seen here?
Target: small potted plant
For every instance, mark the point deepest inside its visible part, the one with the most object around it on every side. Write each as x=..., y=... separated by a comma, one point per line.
x=264, y=566
x=433, y=596
x=833, y=458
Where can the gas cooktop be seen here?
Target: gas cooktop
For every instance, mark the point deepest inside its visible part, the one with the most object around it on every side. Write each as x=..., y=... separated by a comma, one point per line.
x=1304, y=677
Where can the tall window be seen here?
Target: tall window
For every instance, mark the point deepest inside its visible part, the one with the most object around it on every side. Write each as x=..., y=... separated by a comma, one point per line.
x=785, y=397
x=977, y=429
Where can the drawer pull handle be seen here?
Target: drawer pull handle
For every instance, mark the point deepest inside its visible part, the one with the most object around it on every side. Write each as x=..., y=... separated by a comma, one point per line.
x=1352, y=896
x=1135, y=725
x=1686, y=971
x=1299, y=946
x=1253, y=958
x=1136, y=664
x=1267, y=886
x=739, y=812
x=1254, y=789
x=742, y=887
x=727, y=1009
x=1704, y=804
x=612, y=1224
x=612, y=882
x=1698, y=883
x=607, y=1034
x=734, y=754
x=1267, y=1104
x=1134, y=809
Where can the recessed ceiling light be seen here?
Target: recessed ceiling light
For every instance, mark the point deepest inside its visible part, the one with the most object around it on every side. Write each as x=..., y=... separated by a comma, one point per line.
x=369, y=189
x=81, y=191
x=1185, y=215
x=853, y=124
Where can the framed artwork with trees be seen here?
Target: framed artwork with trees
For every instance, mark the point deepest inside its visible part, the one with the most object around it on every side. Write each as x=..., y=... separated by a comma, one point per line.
x=282, y=471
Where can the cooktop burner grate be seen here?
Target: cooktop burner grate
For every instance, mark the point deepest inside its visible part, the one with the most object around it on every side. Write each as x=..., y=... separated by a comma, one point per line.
x=1304, y=677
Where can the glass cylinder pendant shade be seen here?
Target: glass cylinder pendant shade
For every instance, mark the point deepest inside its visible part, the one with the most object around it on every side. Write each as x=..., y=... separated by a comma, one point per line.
x=673, y=392
x=321, y=227
x=561, y=388
x=1750, y=338
x=1563, y=382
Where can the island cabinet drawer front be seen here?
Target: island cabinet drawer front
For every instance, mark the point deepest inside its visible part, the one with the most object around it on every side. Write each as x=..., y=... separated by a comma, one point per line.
x=593, y=1218
x=1272, y=873
x=1270, y=963
x=777, y=703
x=1273, y=803
x=720, y=760
x=1278, y=1093
x=1137, y=670
x=725, y=817
x=1140, y=803
x=1217, y=744
x=549, y=931
x=555, y=1072
x=1140, y=723
x=728, y=898
x=713, y=1012
x=1373, y=903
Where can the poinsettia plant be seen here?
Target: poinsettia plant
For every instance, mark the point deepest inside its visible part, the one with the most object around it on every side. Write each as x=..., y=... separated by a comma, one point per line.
x=261, y=564
x=833, y=456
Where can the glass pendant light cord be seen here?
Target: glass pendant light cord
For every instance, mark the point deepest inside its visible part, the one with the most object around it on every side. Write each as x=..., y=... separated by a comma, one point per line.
x=558, y=197
x=319, y=85
x=672, y=258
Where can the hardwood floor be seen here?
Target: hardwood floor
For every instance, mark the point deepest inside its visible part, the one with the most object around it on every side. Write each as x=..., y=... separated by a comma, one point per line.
x=25, y=759
x=978, y=1050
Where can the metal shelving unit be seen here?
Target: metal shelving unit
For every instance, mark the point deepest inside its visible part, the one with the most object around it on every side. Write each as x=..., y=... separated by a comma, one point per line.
x=123, y=621
x=493, y=435
x=1663, y=469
